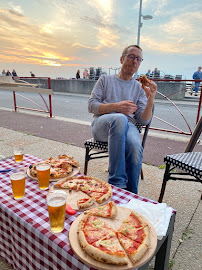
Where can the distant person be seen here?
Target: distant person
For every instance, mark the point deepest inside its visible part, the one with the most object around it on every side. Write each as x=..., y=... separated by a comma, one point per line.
x=197, y=76
x=78, y=74
x=155, y=70
x=8, y=73
x=14, y=73
x=148, y=73
x=4, y=72
x=85, y=74
x=32, y=74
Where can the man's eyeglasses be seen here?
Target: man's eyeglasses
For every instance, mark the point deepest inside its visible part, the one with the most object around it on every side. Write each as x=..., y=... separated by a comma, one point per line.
x=133, y=57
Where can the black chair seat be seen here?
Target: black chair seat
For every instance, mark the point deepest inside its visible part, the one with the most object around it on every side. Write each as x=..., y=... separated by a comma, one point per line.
x=93, y=144
x=190, y=162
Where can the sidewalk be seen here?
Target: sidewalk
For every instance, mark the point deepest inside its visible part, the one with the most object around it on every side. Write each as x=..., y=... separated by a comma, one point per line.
x=57, y=137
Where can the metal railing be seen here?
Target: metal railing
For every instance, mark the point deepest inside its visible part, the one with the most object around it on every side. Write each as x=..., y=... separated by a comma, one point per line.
x=178, y=130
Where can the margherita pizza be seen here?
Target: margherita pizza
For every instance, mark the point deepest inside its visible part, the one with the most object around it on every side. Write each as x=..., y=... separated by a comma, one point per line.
x=59, y=167
x=95, y=189
x=100, y=241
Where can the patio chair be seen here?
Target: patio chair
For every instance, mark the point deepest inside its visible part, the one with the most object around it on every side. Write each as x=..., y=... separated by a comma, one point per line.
x=102, y=148
x=189, y=163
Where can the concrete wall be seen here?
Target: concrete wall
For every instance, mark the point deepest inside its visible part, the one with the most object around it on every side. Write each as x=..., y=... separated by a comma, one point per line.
x=174, y=90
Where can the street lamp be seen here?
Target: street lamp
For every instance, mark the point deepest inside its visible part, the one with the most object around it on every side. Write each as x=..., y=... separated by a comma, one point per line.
x=145, y=17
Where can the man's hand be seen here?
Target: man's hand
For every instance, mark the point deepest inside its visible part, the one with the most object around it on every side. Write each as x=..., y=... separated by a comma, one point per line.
x=150, y=90
x=126, y=107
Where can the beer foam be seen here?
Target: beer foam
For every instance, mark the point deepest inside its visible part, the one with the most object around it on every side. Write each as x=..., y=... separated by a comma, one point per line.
x=56, y=200
x=17, y=176
x=42, y=167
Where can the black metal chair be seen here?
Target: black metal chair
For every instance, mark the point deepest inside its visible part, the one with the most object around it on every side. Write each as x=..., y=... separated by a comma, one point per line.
x=102, y=148
x=189, y=163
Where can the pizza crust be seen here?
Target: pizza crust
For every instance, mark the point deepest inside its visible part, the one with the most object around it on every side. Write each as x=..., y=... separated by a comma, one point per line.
x=86, y=204
x=101, y=256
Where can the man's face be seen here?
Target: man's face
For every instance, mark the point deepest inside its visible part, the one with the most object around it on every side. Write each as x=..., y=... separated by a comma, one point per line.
x=199, y=68
x=130, y=65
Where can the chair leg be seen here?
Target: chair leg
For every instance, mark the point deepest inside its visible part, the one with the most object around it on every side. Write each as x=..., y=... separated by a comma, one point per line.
x=87, y=158
x=165, y=179
x=142, y=175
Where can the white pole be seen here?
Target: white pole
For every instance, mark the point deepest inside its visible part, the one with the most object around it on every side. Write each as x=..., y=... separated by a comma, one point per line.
x=138, y=33
x=139, y=23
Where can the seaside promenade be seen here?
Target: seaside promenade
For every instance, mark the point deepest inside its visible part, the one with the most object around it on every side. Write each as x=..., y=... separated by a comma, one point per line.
x=45, y=137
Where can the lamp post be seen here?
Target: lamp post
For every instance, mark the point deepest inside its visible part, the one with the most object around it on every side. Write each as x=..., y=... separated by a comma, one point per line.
x=146, y=17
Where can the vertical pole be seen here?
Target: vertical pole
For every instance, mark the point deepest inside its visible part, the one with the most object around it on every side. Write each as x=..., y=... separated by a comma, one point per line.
x=139, y=23
x=50, y=103
x=14, y=98
x=199, y=107
x=138, y=32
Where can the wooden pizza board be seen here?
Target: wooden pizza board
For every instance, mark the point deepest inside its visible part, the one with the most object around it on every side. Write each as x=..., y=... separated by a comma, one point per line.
x=73, y=173
x=122, y=214
x=73, y=196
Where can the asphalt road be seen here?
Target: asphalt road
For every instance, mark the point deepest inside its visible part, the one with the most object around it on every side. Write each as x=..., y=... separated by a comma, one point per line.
x=75, y=107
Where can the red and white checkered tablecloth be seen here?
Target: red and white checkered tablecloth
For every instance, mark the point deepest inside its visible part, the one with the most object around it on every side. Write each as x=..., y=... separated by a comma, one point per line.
x=25, y=238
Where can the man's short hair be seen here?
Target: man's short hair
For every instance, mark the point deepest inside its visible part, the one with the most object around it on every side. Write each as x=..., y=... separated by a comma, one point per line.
x=126, y=49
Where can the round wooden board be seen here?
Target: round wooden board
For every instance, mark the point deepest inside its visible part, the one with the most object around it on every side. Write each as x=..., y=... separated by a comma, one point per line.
x=115, y=223
x=73, y=196
x=73, y=173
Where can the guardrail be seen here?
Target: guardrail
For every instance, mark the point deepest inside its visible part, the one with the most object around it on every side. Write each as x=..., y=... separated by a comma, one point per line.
x=177, y=130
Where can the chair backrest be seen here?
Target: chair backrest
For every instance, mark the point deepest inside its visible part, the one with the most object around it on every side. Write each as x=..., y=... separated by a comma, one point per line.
x=196, y=134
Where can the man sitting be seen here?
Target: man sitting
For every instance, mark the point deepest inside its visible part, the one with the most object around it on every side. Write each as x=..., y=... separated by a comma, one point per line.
x=118, y=102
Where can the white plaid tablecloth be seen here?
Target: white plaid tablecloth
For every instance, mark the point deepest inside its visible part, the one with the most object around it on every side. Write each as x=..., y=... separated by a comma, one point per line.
x=25, y=238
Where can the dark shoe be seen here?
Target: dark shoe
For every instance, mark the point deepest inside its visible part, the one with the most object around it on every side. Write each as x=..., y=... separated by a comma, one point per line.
x=195, y=95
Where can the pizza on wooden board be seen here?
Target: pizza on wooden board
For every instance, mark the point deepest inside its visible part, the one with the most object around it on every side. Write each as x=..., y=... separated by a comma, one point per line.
x=59, y=167
x=96, y=189
x=104, y=244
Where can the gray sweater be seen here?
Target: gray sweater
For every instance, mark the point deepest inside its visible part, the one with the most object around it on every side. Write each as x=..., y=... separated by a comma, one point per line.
x=111, y=89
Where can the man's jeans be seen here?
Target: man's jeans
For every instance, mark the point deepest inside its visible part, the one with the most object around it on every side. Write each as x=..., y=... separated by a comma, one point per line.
x=125, y=149
x=196, y=87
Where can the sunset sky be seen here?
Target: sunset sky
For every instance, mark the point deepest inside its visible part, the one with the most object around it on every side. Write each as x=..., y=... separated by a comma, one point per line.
x=54, y=38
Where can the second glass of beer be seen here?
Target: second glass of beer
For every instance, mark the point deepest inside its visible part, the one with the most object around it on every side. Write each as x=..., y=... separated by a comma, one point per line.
x=43, y=175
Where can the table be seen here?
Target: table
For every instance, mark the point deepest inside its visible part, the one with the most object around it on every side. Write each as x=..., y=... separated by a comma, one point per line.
x=25, y=239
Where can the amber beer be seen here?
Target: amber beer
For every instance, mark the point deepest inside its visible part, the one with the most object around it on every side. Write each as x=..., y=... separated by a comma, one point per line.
x=43, y=174
x=18, y=153
x=18, y=184
x=56, y=202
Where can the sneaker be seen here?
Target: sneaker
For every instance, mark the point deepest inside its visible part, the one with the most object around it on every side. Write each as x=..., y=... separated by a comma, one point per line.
x=195, y=95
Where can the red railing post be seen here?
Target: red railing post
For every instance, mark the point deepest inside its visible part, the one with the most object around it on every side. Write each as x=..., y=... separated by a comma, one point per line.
x=199, y=107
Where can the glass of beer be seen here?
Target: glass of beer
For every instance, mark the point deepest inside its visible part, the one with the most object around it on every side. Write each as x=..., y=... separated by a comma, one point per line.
x=17, y=178
x=18, y=153
x=56, y=202
x=43, y=175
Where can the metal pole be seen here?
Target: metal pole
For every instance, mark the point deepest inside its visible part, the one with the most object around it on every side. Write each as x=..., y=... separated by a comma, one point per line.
x=138, y=33
x=139, y=23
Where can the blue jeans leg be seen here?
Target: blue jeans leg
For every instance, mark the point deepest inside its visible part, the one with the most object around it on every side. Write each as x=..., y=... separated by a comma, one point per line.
x=123, y=138
x=134, y=156
x=196, y=87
